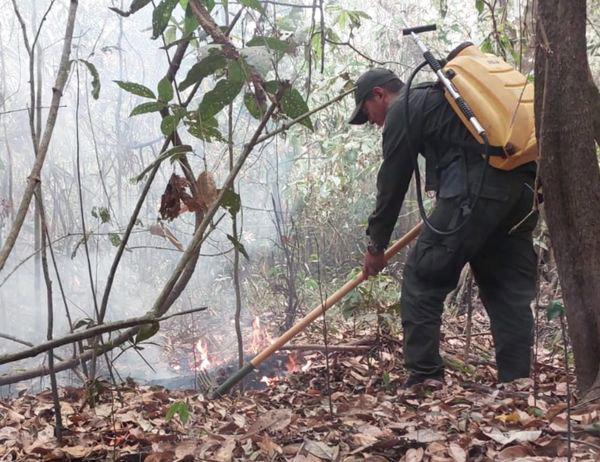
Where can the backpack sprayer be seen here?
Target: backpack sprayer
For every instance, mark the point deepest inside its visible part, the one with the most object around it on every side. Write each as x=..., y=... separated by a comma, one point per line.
x=494, y=102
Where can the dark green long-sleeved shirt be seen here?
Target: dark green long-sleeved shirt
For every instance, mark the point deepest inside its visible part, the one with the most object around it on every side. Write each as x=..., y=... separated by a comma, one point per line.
x=437, y=133
x=432, y=124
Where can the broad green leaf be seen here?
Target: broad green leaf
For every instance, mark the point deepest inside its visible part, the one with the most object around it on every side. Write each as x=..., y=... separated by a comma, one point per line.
x=479, y=5
x=216, y=99
x=293, y=105
x=209, y=65
x=272, y=87
x=239, y=246
x=254, y=4
x=272, y=43
x=206, y=129
x=165, y=90
x=136, y=5
x=169, y=124
x=152, y=106
x=232, y=202
x=170, y=34
x=115, y=239
x=147, y=331
x=252, y=106
x=180, y=408
x=136, y=89
x=190, y=23
x=95, y=78
x=554, y=310
x=210, y=4
x=237, y=71
x=161, y=15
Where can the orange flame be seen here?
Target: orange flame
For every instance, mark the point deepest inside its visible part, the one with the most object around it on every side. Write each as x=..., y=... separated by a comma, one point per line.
x=292, y=364
x=202, y=348
x=269, y=380
x=260, y=338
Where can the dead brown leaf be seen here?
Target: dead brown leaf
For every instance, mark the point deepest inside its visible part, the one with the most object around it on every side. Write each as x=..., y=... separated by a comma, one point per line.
x=269, y=447
x=514, y=453
x=457, y=453
x=274, y=420
x=414, y=455
x=225, y=452
x=166, y=456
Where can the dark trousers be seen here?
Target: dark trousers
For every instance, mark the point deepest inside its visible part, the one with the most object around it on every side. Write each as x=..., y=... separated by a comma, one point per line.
x=504, y=266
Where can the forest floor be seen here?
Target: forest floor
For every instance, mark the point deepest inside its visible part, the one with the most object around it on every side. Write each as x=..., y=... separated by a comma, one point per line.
x=362, y=414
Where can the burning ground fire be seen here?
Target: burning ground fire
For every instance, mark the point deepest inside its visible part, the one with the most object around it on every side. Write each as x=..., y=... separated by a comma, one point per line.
x=203, y=356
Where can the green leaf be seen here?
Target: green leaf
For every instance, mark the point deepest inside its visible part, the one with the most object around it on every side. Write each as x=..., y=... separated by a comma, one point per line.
x=210, y=4
x=190, y=23
x=232, y=202
x=146, y=331
x=180, y=408
x=169, y=124
x=272, y=87
x=170, y=34
x=254, y=4
x=161, y=15
x=554, y=310
x=216, y=99
x=144, y=108
x=252, y=106
x=293, y=105
x=136, y=89
x=165, y=90
x=115, y=239
x=95, y=78
x=209, y=65
x=102, y=213
x=479, y=5
x=206, y=129
x=237, y=71
x=272, y=43
x=136, y=5
x=239, y=246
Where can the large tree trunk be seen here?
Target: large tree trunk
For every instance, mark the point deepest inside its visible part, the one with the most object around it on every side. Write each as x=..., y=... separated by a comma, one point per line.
x=564, y=103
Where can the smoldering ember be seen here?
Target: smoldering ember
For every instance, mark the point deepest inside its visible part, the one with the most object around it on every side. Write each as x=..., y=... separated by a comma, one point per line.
x=299, y=230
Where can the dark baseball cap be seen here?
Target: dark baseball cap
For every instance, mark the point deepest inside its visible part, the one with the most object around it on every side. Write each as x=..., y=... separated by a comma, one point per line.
x=372, y=78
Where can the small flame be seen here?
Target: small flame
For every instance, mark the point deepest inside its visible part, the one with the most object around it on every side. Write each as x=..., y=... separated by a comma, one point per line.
x=260, y=338
x=269, y=381
x=202, y=348
x=292, y=364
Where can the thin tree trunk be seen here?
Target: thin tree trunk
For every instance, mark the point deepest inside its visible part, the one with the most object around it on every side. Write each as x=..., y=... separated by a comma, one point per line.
x=570, y=174
x=50, y=317
x=34, y=175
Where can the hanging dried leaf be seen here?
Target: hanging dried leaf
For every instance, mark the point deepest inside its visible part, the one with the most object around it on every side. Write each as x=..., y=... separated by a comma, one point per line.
x=207, y=189
x=170, y=202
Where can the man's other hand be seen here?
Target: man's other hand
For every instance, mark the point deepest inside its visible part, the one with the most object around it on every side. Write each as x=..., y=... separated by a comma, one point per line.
x=373, y=263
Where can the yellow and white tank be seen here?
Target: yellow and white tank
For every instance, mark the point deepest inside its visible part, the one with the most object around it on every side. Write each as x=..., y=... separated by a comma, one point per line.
x=502, y=100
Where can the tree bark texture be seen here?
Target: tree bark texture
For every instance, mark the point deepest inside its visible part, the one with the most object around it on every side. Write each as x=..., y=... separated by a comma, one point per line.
x=564, y=103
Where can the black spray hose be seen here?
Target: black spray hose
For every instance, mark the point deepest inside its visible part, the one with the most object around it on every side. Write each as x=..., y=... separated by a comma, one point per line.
x=470, y=203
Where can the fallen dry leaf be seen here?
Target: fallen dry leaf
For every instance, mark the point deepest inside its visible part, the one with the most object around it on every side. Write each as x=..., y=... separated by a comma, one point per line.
x=508, y=437
x=457, y=453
